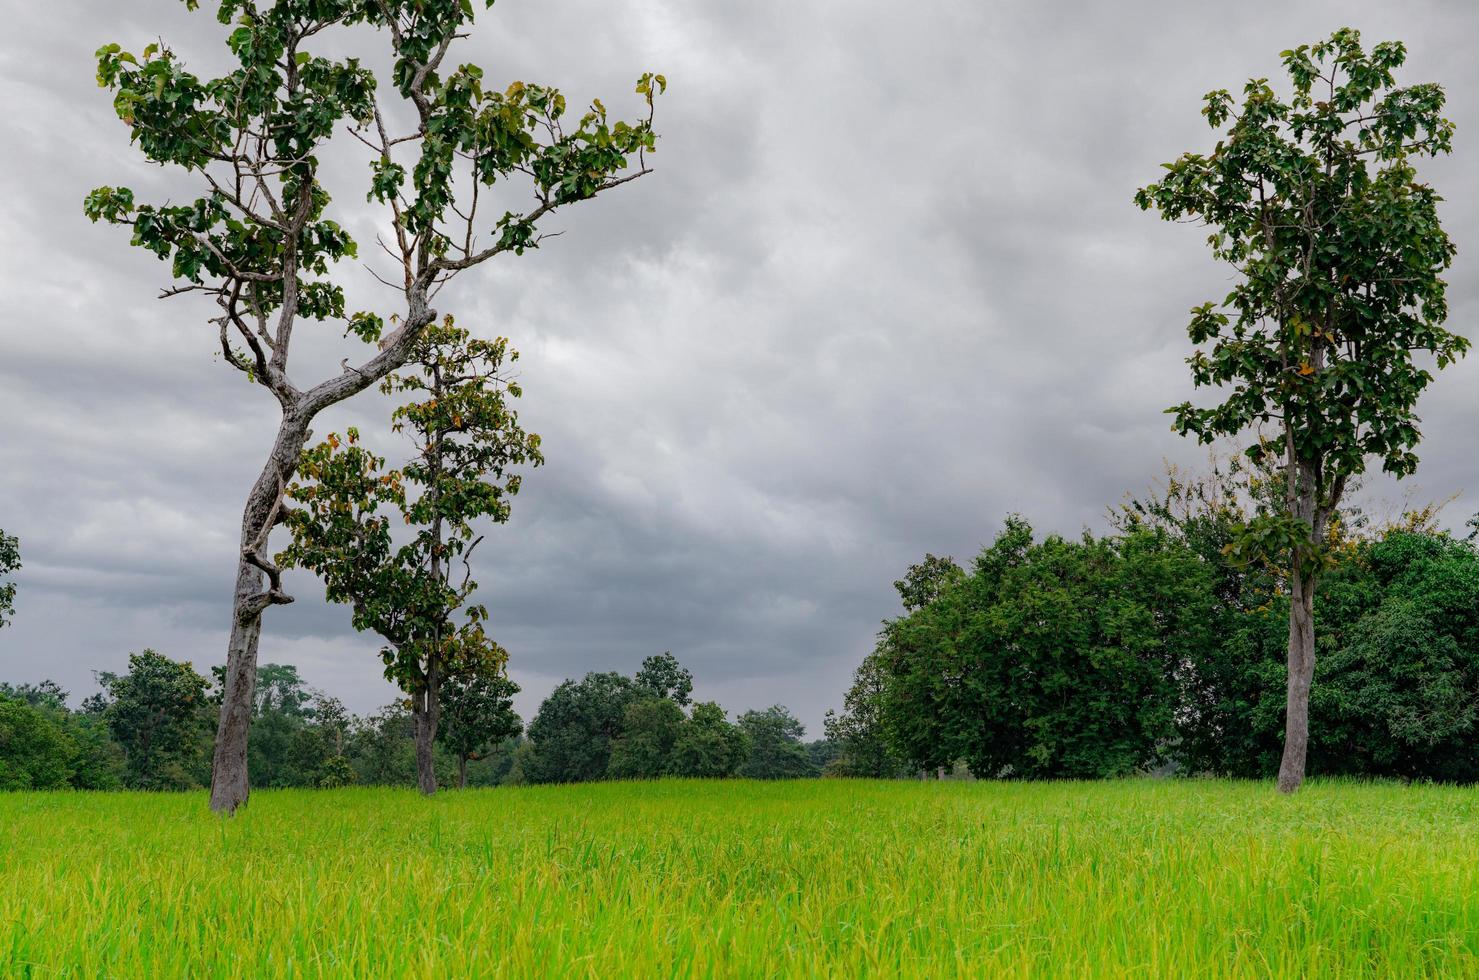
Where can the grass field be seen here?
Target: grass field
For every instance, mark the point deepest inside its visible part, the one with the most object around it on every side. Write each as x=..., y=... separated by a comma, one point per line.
x=818, y=878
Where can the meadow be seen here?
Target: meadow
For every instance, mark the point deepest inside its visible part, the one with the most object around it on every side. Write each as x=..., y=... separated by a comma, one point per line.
x=806, y=878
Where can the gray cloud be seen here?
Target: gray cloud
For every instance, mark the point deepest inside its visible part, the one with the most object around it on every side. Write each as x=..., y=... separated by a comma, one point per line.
x=886, y=286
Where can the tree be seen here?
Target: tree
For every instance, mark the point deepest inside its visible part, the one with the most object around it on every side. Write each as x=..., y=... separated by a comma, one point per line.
x=468, y=440
x=664, y=677
x=575, y=726
x=158, y=713
x=649, y=731
x=776, y=751
x=1052, y=659
x=477, y=713
x=708, y=746
x=10, y=563
x=35, y=752
x=259, y=241
x=96, y=761
x=1316, y=203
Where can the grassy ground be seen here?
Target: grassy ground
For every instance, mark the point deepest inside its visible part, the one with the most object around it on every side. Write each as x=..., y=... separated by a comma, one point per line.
x=822, y=878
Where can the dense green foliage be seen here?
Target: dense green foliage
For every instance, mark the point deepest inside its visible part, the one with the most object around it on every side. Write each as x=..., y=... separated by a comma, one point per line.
x=610, y=726
x=1149, y=648
x=776, y=750
x=1050, y=659
x=159, y=714
x=825, y=878
x=35, y=752
x=1397, y=690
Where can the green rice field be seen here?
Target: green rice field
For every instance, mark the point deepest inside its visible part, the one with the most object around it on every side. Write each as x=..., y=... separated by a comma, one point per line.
x=820, y=878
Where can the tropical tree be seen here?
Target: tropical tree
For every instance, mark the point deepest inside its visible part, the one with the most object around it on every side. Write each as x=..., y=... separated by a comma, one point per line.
x=10, y=563
x=1052, y=659
x=1327, y=336
x=416, y=594
x=259, y=242
x=477, y=713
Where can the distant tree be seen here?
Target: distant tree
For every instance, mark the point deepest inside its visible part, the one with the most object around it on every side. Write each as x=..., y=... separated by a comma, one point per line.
x=664, y=677
x=158, y=712
x=35, y=751
x=862, y=745
x=416, y=594
x=644, y=749
x=776, y=751
x=575, y=726
x=259, y=240
x=924, y=582
x=1316, y=204
x=823, y=753
x=477, y=714
x=708, y=746
x=10, y=563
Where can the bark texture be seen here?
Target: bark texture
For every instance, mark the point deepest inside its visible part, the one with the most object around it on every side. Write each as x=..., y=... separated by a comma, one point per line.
x=1301, y=674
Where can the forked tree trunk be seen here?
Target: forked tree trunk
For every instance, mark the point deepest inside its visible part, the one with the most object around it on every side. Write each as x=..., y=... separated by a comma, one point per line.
x=462, y=772
x=1301, y=674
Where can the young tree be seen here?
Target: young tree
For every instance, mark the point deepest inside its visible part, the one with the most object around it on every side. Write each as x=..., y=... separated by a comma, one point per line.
x=477, y=713
x=468, y=440
x=1316, y=203
x=260, y=243
x=10, y=563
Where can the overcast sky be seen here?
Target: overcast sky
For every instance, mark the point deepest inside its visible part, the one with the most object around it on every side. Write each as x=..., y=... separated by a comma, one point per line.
x=886, y=286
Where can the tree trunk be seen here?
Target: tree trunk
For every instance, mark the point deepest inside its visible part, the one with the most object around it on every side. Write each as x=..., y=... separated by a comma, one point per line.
x=426, y=712
x=1301, y=674
x=229, y=785
x=462, y=772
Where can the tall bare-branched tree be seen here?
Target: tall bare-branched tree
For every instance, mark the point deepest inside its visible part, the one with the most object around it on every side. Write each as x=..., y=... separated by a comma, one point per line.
x=260, y=244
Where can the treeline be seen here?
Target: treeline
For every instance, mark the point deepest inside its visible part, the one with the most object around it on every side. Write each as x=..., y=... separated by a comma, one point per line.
x=152, y=727
x=1153, y=648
